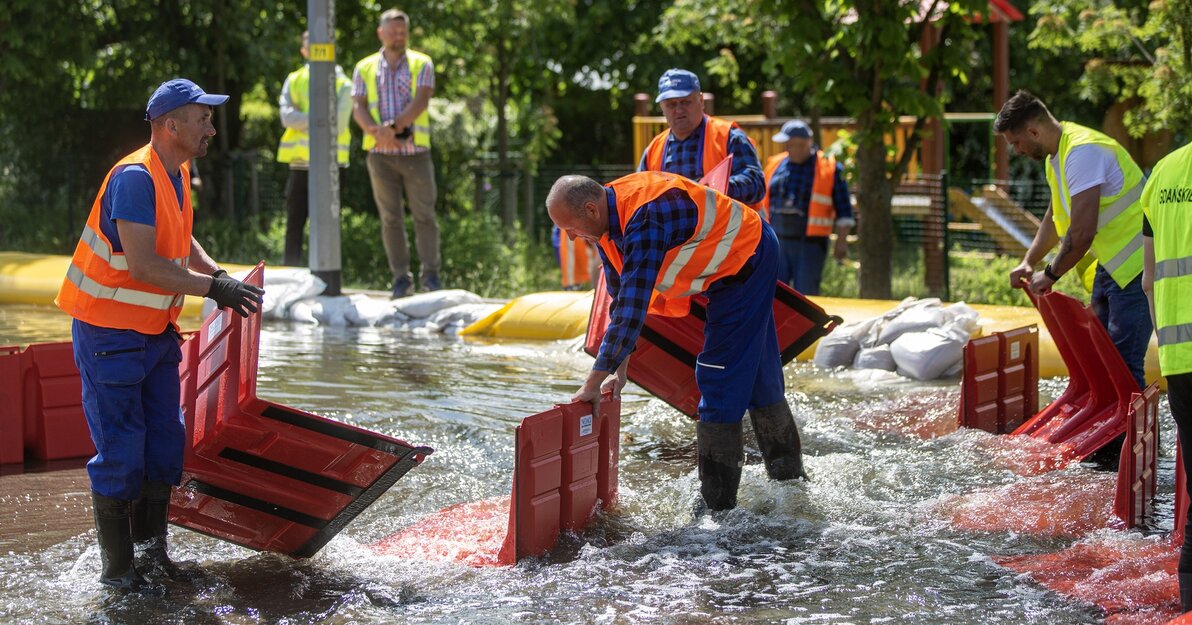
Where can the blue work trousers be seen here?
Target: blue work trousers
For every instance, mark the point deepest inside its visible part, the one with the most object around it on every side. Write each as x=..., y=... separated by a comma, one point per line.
x=131, y=398
x=802, y=263
x=1125, y=313
x=740, y=366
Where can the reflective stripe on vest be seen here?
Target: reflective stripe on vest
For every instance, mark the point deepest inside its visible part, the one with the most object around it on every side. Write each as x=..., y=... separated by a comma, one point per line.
x=1167, y=203
x=1118, y=241
x=101, y=249
x=821, y=212
x=295, y=144
x=369, y=68
x=98, y=287
x=724, y=239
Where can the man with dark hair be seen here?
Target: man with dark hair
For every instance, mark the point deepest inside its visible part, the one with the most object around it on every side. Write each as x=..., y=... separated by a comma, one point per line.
x=695, y=142
x=392, y=91
x=664, y=238
x=1095, y=186
x=133, y=264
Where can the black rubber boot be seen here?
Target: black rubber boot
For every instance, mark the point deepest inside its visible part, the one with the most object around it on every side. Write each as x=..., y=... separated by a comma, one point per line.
x=1185, y=592
x=113, y=527
x=778, y=439
x=150, y=519
x=721, y=455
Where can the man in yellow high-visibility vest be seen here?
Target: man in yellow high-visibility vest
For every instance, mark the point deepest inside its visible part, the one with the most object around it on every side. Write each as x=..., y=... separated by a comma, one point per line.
x=1095, y=186
x=294, y=104
x=392, y=91
x=1167, y=281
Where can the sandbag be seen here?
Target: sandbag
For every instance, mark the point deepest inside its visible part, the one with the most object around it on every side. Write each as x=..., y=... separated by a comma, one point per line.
x=928, y=355
x=878, y=357
x=839, y=347
x=424, y=305
x=919, y=316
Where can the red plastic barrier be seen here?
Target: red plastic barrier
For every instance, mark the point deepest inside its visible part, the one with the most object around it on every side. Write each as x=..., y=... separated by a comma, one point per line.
x=565, y=465
x=1091, y=412
x=1000, y=383
x=1134, y=500
x=663, y=360
x=264, y=475
x=12, y=418
x=718, y=177
x=55, y=427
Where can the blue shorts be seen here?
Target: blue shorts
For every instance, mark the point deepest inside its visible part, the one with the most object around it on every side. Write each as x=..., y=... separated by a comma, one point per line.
x=132, y=401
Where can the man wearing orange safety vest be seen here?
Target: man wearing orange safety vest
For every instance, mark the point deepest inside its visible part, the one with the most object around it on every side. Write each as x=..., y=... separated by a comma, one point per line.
x=663, y=238
x=806, y=198
x=131, y=268
x=1095, y=186
x=578, y=263
x=694, y=142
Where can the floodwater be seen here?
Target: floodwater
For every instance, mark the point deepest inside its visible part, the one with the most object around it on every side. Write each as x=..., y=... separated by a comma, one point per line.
x=863, y=542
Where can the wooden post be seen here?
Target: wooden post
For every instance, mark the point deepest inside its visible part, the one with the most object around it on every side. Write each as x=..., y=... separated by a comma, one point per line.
x=641, y=104
x=709, y=103
x=1001, y=93
x=769, y=104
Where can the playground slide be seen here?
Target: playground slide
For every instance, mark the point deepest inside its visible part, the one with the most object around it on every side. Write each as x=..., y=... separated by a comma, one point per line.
x=1009, y=225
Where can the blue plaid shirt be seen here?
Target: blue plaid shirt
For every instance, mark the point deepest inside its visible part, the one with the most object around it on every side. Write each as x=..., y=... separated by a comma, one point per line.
x=662, y=224
x=790, y=196
x=746, y=183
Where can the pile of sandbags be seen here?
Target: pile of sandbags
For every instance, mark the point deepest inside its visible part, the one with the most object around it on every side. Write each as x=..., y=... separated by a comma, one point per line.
x=294, y=294
x=921, y=339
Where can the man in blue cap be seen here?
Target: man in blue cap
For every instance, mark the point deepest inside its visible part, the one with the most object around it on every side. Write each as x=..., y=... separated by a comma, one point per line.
x=806, y=198
x=695, y=142
x=135, y=261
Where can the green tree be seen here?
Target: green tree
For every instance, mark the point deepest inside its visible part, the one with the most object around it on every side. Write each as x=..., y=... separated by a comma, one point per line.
x=862, y=58
x=1133, y=51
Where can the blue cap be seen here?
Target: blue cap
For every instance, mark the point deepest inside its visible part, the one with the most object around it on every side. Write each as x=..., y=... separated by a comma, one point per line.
x=179, y=92
x=794, y=129
x=676, y=83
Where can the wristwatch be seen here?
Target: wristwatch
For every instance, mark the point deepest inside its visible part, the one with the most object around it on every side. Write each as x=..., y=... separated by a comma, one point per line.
x=1049, y=273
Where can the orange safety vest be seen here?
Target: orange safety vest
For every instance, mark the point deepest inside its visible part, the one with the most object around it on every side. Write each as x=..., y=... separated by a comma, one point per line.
x=821, y=214
x=725, y=237
x=99, y=289
x=574, y=259
x=715, y=144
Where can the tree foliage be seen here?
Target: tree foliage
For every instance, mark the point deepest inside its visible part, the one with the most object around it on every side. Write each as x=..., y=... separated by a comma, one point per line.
x=860, y=58
x=1133, y=52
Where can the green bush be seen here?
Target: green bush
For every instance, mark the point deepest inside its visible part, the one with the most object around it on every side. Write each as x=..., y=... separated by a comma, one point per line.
x=973, y=278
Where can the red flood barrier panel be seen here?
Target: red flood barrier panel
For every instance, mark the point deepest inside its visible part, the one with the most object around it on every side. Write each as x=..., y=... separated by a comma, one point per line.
x=264, y=475
x=1134, y=500
x=663, y=360
x=42, y=404
x=565, y=466
x=12, y=418
x=1092, y=410
x=1000, y=383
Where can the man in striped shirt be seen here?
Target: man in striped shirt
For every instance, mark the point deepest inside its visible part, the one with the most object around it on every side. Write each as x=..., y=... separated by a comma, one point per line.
x=391, y=92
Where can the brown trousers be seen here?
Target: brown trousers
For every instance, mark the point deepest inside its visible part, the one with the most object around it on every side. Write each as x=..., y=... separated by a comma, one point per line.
x=390, y=175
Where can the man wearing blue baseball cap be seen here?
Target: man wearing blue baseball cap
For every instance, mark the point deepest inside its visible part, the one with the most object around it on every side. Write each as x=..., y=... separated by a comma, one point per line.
x=135, y=261
x=806, y=197
x=695, y=142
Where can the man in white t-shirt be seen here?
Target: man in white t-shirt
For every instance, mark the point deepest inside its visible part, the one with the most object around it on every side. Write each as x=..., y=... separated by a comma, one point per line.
x=1095, y=188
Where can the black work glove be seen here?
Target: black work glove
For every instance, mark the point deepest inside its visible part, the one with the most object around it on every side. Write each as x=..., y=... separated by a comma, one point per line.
x=231, y=293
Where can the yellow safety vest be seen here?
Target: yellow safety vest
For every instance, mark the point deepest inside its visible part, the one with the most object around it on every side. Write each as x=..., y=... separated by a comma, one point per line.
x=1167, y=204
x=295, y=144
x=368, y=67
x=1118, y=242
